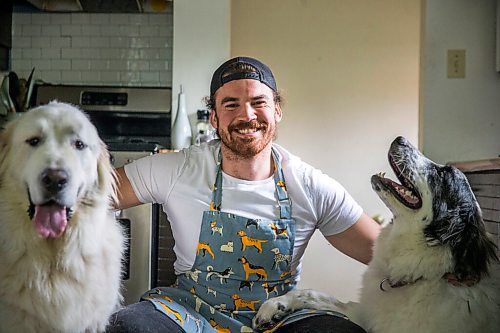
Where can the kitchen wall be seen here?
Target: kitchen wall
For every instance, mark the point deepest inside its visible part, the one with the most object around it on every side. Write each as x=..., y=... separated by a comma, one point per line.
x=350, y=74
x=461, y=116
x=102, y=49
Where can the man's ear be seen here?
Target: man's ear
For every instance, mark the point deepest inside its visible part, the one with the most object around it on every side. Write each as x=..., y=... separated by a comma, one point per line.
x=213, y=119
x=278, y=114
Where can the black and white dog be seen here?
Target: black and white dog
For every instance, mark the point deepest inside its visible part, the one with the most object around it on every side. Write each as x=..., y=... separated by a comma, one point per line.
x=434, y=268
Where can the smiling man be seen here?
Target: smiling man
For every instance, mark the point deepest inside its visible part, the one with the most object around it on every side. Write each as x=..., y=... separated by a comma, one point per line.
x=241, y=209
x=245, y=115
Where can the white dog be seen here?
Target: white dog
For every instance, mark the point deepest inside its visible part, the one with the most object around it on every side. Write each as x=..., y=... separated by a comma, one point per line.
x=434, y=268
x=60, y=246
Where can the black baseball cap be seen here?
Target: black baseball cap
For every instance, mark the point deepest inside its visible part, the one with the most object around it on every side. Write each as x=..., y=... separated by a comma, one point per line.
x=262, y=74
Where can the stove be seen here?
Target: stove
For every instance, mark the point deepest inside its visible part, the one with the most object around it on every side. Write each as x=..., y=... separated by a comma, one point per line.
x=133, y=122
x=127, y=118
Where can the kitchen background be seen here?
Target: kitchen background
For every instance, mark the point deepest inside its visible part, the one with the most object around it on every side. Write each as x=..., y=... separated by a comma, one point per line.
x=99, y=48
x=354, y=73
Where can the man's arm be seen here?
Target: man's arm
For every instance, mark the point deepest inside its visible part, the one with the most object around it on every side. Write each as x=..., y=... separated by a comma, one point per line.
x=126, y=194
x=357, y=241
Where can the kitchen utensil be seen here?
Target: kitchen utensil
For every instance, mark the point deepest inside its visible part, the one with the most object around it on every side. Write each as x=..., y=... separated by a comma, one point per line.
x=2, y=95
x=9, y=105
x=4, y=102
x=22, y=93
x=14, y=90
x=29, y=85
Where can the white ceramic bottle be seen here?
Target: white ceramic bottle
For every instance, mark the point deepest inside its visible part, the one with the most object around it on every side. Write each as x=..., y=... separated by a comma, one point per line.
x=181, y=128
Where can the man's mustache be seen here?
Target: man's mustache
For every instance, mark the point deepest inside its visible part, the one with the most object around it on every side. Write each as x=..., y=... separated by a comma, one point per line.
x=252, y=124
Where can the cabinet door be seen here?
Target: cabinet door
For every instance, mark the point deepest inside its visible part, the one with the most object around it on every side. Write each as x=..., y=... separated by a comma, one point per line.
x=5, y=33
x=6, y=23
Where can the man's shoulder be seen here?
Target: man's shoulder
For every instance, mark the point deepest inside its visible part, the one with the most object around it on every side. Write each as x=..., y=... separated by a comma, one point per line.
x=304, y=173
x=202, y=155
x=289, y=160
x=210, y=147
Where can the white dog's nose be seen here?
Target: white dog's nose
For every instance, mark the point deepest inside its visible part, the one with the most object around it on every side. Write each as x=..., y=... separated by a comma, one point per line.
x=54, y=180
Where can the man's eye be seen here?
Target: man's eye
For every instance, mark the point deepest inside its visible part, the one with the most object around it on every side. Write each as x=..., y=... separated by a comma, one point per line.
x=231, y=106
x=33, y=142
x=79, y=144
x=259, y=104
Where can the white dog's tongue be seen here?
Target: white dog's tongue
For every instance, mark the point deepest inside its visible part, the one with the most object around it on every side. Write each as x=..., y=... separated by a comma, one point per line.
x=50, y=220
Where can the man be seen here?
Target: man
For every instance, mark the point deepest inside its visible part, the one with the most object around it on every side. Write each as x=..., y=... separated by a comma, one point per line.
x=242, y=210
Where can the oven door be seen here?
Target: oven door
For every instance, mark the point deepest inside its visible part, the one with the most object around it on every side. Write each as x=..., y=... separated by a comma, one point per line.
x=123, y=130
x=140, y=224
x=139, y=258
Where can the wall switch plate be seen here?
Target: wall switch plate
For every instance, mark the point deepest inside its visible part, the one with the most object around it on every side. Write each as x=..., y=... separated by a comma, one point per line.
x=456, y=64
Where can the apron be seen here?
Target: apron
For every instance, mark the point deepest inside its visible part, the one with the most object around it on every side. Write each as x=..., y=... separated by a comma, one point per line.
x=240, y=263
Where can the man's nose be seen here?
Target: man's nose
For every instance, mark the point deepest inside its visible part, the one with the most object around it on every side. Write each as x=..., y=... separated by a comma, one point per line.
x=248, y=112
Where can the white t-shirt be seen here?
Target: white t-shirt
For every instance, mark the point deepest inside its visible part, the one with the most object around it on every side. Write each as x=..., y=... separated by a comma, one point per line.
x=182, y=182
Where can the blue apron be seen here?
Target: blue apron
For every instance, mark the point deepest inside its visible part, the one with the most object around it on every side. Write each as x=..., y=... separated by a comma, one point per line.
x=240, y=263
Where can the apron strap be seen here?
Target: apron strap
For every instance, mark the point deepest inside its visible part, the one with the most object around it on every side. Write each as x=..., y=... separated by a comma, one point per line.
x=284, y=201
x=279, y=179
x=217, y=188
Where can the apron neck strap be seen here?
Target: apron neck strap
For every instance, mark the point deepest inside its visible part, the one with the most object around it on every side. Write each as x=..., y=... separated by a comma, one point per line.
x=279, y=181
x=284, y=201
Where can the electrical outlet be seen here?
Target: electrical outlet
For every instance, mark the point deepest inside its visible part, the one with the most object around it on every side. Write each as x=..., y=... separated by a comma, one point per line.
x=456, y=64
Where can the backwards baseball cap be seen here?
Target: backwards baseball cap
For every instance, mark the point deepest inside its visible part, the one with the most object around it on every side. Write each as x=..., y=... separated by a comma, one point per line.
x=262, y=73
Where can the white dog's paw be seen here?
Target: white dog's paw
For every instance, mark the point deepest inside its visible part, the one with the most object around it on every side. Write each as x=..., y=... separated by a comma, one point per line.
x=275, y=309
x=271, y=312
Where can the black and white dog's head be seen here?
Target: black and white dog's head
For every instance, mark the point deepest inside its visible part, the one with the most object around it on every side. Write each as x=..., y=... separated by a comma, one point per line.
x=438, y=201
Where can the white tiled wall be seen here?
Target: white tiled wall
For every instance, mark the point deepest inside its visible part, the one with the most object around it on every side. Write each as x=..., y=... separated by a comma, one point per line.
x=101, y=49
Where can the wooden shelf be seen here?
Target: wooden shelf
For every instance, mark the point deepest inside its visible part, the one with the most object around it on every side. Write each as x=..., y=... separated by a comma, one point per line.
x=479, y=165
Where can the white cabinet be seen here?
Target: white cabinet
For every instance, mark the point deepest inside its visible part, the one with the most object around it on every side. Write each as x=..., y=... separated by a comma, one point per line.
x=201, y=43
x=498, y=36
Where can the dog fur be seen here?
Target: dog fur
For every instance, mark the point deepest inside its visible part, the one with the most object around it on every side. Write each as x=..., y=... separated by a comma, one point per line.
x=434, y=268
x=60, y=245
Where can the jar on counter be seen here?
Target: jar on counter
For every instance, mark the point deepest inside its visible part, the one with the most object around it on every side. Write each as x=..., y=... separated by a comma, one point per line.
x=204, y=131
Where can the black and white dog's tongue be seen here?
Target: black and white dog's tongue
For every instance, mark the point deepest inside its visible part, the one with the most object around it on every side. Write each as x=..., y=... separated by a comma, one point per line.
x=50, y=220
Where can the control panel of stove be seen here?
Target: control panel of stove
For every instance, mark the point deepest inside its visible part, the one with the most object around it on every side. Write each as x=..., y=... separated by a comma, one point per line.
x=104, y=98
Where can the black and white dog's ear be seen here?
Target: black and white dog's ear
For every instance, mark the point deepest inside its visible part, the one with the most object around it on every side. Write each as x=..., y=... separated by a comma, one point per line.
x=463, y=231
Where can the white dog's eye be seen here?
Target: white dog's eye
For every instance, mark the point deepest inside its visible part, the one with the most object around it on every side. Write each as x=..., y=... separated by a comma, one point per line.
x=33, y=142
x=80, y=145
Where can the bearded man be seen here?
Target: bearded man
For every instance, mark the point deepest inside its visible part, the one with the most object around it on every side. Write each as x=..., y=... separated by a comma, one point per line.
x=244, y=184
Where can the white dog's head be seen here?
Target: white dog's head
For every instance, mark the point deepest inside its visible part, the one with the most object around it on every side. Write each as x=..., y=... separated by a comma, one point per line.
x=437, y=202
x=55, y=158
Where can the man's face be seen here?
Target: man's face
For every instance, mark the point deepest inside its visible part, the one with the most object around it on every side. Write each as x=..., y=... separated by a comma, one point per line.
x=245, y=116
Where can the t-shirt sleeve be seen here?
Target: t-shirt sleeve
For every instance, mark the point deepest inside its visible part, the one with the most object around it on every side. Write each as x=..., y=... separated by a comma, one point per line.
x=153, y=177
x=336, y=210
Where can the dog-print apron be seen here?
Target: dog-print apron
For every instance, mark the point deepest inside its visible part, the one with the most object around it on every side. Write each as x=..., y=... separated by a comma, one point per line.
x=240, y=263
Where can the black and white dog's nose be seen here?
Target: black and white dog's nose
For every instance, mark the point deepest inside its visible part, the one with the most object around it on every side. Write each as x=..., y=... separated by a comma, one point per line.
x=401, y=140
x=54, y=180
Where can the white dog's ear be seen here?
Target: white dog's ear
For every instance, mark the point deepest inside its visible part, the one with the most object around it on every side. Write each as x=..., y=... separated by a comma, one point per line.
x=106, y=174
x=5, y=145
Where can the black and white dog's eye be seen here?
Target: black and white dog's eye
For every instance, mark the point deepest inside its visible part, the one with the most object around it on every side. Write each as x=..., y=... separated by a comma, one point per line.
x=79, y=144
x=443, y=172
x=33, y=142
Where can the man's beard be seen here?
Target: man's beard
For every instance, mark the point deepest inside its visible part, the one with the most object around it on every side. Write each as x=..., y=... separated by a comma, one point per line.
x=247, y=147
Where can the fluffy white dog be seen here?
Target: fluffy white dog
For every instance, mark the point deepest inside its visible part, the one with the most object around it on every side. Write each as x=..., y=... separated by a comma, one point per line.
x=60, y=246
x=434, y=268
